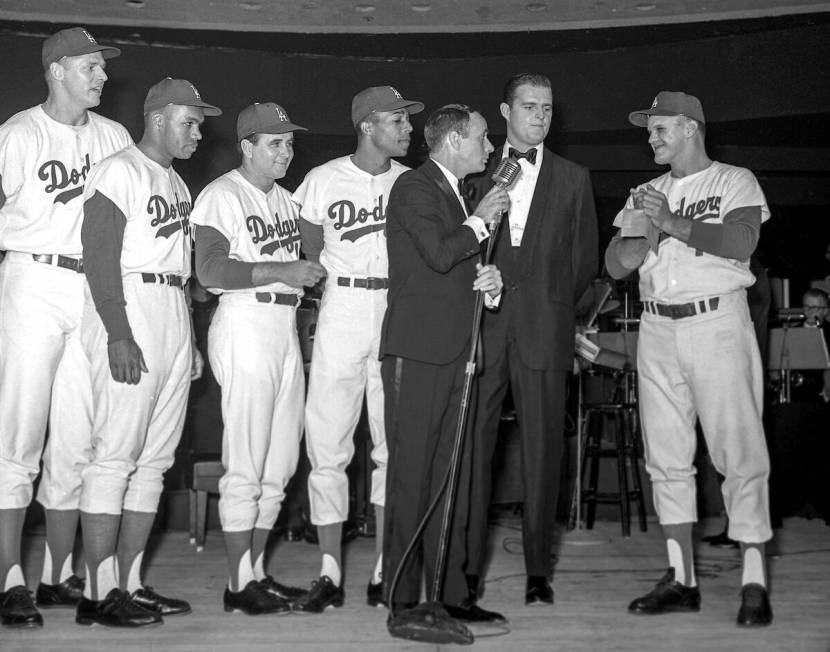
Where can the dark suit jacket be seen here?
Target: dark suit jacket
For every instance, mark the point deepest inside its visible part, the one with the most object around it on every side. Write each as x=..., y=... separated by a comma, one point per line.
x=432, y=258
x=555, y=263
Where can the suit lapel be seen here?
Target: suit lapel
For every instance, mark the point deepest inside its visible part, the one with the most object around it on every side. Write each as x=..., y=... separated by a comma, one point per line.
x=435, y=173
x=542, y=195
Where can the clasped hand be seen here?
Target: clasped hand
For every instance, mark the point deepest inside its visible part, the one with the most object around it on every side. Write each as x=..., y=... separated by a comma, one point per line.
x=488, y=279
x=655, y=205
x=493, y=205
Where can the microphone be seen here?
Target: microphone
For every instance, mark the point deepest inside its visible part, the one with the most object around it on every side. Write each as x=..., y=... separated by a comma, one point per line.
x=504, y=176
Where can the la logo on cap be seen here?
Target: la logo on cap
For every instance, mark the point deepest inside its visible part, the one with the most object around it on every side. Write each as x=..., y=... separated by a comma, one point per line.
x=195, y=92
x=397, y=94
x=654, y=103
x=89, y=36
x=280, y=114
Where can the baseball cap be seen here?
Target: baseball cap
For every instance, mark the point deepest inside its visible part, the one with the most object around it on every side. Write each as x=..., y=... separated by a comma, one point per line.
x=265, y=118
x=73, y=42
x=176, y=91
x=669, y=103
x=380, y=98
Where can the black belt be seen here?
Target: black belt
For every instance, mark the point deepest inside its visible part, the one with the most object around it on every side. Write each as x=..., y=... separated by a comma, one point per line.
x=75, y=264
x=681, y=310
x=276, y=297
x=162, y=279
x=371, y=283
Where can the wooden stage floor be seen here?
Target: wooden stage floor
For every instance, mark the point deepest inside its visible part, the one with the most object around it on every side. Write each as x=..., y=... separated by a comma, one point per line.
x=597, y=574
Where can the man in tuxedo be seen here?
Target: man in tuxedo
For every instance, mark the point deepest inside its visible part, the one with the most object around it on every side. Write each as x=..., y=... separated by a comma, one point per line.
x=546, y=250
x=434, y=275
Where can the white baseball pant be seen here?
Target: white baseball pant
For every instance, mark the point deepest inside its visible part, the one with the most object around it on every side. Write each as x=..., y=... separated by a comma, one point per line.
x=255, y=356
x=344, y=364
x=705, y=366
x=40, y=314
x=136, y=428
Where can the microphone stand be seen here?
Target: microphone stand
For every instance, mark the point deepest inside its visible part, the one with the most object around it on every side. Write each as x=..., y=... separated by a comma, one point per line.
x=429, y=621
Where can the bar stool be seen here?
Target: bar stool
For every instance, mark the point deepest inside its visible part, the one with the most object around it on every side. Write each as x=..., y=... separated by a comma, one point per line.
x=622, y=419
x=206, y=474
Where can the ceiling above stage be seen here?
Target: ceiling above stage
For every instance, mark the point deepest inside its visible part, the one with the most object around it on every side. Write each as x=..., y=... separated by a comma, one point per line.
x=395, y=16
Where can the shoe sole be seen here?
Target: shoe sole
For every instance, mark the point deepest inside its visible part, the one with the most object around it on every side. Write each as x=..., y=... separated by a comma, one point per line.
x=235, y=610
x=88, y=622
x=667, y=610
x=330, y=605
x=164, y=614
x=57, y=605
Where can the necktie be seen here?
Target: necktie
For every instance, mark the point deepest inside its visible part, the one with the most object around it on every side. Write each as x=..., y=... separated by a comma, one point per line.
x=530, y=154
x=461, y=188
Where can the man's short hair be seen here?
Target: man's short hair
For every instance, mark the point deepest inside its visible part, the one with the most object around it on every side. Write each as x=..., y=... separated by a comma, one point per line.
x=372, y=118
x=816, y=293
x=449, y=118
x=520, y=79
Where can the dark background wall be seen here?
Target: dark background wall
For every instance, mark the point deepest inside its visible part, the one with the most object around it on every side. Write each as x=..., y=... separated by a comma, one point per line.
x=763, y=83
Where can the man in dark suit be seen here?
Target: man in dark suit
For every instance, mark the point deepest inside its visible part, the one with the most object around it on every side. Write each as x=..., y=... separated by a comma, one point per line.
x=546, y=250
x=434, y=276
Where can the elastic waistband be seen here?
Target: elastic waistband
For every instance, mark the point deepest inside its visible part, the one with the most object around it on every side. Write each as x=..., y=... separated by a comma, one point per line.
x=369, y=283
x=59, y=260
x=163, y=279
x=278, y=298
x=682, y=310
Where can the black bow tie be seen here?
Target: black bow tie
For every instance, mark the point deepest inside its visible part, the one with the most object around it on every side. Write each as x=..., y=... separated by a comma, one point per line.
x=530, y=154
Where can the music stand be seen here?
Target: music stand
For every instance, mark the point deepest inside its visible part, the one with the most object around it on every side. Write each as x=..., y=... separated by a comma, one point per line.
x=799, y=348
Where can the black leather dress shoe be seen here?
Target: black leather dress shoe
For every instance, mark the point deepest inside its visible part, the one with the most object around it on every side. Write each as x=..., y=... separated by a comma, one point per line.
x=115, y=610
x=146, y=597
x=755, y=608
x=538, y=590
x=472, y=613
x=668, y=595
x=66, y=594
x=18, y=610
x=255, y=599
x=374, y=595
x=287, y=593
x=323, y=594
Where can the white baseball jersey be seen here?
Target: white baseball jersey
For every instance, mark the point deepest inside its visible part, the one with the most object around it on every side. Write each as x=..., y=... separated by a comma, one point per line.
x=260, y=227
x=681, y=273
x=350, y=204
x=156, y=204
x=43, y=167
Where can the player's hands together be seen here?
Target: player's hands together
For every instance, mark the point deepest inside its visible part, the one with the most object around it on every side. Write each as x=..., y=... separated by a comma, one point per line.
x=126, y=361
x=302, y=273
x=492, y=205
x=488, y=279
x=656, y=207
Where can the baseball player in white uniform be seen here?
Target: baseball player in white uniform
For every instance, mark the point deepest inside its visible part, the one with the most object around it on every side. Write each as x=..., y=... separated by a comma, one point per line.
x=342, y=222
x=690, y=233
x=247, y=251
x=46, y=155
x=136, y=333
